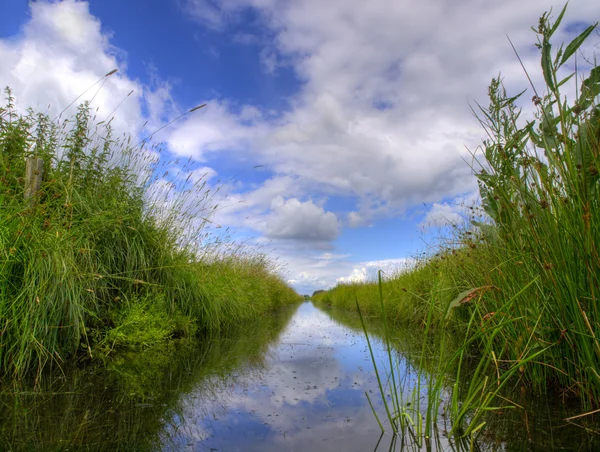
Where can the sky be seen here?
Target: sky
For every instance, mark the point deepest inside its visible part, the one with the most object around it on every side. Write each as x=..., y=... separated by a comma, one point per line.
x=339, y=135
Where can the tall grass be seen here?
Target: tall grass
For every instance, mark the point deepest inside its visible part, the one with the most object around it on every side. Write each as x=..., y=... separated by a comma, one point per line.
x=138, y=400
x=521, y=287
x=540, y=186
x=99, y=248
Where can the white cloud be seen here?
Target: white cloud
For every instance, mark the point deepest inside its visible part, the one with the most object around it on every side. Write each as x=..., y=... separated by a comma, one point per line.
x=214, y=129
x=326, y=257
x=368, y=271
x=308, y=273
x=355, y=220
x=450, y=213
x=62, y=52
x=205, y=12
x=204, y=173
x=443, y=214
x=358, y=275
x=383, y=112
x=269, y=61
x=311, y=270
x=293, y=219
x=381, y=115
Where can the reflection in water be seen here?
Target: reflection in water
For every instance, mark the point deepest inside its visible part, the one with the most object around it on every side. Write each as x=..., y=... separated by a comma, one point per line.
x=538, y=425
x=294, y=381
x=309, y=396
x=127, y=406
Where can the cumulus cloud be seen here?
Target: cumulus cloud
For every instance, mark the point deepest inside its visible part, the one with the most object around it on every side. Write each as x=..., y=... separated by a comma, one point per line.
x=322, y=271
x=450, y=213
x=382, y=113
x=368, y=271
x=204, y=173
x=215, y=129
x=60, y=53
x=443, y=214
x=358, y=275
x=355, y=220
x=293, y=219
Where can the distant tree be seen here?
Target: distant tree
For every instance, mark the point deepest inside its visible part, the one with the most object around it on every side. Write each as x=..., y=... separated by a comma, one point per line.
x=317, y=291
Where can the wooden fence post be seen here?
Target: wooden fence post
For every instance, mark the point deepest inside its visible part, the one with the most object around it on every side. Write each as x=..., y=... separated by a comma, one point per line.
x=34, y=170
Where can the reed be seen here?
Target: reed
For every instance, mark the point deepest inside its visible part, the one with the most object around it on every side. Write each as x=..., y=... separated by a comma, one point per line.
x=99, y=257
x=519, y=284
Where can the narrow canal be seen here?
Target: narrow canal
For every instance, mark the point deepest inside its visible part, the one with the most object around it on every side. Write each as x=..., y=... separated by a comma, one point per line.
x=308, y=396
x=295, y=381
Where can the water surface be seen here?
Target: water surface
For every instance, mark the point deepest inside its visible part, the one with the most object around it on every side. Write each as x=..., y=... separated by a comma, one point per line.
x=308, y=395
x=293, y=381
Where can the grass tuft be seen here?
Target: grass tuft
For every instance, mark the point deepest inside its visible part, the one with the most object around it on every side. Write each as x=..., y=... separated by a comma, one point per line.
x=106, y=253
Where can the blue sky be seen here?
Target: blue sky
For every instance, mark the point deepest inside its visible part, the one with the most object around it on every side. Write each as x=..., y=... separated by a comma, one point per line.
x=340, y=131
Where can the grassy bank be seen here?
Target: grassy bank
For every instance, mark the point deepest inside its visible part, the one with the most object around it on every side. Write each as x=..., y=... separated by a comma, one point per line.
x=138, y=401
x=537, y=425
x=520, y=288
x=98, y=258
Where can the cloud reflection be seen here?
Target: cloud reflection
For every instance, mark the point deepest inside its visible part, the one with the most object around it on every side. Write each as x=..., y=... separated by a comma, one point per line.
x=309, y=396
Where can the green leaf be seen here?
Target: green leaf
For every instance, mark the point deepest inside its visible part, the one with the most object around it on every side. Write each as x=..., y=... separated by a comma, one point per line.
x=463, y=297
x=559, y=53
x=511, y=100
x=576, y=43
x=490, y=205
x=558, y=20
x=590, y=87
x=546, y=64
x=565, y=80
x=550, y=143
x=537, y=140
x=487, y=230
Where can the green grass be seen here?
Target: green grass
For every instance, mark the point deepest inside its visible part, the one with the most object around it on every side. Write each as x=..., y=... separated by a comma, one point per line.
x=99, y=259
x=133, y=401
x=521, y=285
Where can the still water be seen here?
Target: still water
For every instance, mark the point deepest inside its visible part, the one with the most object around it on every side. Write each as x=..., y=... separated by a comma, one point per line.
x=295, y=381
x=308, y=396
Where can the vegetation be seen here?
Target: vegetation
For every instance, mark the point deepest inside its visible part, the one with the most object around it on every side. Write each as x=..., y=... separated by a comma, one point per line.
x=136, y=402
x=521, y=285
x=537, y=424
x=97, y=258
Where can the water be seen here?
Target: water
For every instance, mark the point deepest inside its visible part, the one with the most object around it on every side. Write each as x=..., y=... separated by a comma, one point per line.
x=294, y=381
x=309, y=395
